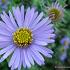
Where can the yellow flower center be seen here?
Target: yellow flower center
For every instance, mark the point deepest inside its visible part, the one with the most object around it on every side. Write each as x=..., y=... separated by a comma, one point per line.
x=54, y=14
x=22, y=37
x=66, y=43
x=3, y=1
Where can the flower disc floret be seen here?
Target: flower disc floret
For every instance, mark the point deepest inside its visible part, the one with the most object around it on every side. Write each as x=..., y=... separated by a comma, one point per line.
x=22, y=37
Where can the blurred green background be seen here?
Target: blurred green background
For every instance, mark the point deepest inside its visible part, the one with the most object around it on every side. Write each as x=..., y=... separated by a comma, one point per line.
x=61, y=29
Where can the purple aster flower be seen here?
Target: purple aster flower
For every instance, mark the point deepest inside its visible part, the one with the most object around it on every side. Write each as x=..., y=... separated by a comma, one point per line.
x=63, y=56
x=4, y=4
x=24, y=36
x=56, y=12
x=65, y=42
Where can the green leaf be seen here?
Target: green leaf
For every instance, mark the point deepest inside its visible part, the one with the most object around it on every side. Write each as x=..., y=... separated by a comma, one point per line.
x=49, y=2
x=62, y=2
x=35, y=67
x=39, y=4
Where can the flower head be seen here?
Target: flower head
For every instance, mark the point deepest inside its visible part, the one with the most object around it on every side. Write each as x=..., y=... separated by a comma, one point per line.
x=55, y=12
x=65, y=42
x=4, y=4
x=63, y=56
x=24, y=36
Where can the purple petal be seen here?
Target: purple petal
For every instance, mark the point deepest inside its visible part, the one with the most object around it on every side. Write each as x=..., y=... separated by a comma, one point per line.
x=49, y=31
x=12, y=20
x=63, y=56
x=30, y=57
x=34, y=17
x=22, y=12
x=49, y=36
x=45, y=27
x=45, y=51
x=5, y=44
x=5, y=38
x=5, y=50
x=46, y=38
x=23, y=59
x=4, y=32
x=37, y=60
x=37, y=54
x=50, y=40
x=43, y=32
x=4, y=29
x=30, y=16
x=19, y=66
x=41, y=23
x=12, y=67
x=38, y=42
x=65, y=39
x=37, y=19
x=27, y=16
x=13, y=58
x=17, y=60
x=17, y=15
x=66, y=47
x=7, y=53
x=7, y=20
x=26, y=59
